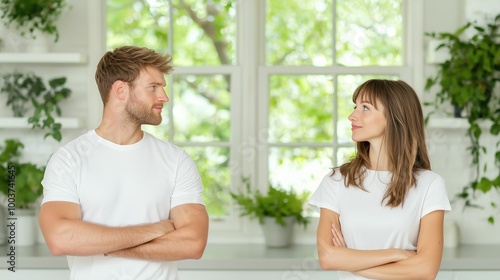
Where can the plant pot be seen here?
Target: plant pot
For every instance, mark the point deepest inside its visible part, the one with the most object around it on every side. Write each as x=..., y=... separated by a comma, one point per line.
x=276, y=235
x=3, y=36
x=3, y=232
x=451, y=235
x=459, y=112
x=39, y=44
x=26, y=227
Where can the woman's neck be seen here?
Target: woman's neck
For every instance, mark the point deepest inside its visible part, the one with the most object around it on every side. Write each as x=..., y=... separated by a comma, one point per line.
x=379, y=159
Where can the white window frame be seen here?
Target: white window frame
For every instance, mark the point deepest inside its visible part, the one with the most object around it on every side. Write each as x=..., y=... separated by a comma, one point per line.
x=249, y=98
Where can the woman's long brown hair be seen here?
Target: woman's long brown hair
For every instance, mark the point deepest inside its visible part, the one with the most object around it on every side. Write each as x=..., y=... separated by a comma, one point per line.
x=404, y=139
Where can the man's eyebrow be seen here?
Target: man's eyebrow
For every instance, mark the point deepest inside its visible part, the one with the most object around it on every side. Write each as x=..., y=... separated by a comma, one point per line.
x=157, y=84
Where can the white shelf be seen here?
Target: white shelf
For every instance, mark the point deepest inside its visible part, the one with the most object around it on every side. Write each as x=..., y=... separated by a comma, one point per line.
x=43, y=58
x=23, y=122
x=454, y=123
x=448, y=123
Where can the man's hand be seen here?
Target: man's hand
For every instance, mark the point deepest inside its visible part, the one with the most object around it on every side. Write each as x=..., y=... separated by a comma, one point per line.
x=166, y=226
x=186, y=236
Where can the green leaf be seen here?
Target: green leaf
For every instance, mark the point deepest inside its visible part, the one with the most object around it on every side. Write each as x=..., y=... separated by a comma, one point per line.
x=484, y=185
x=24, y=87
x=277, y=203
x=57, y=82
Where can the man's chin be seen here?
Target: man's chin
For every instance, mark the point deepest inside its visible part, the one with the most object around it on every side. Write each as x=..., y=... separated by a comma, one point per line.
x=153, y=122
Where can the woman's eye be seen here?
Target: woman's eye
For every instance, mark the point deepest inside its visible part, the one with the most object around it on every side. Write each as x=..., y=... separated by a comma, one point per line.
x=365, y=108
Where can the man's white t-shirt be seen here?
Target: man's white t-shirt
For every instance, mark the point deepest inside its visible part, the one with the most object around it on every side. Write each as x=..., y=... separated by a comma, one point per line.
x=367, y=224
x=121, y=185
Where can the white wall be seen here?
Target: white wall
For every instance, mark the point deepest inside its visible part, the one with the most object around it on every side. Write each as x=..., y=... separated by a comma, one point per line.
x=448, y=147
x=81, y=34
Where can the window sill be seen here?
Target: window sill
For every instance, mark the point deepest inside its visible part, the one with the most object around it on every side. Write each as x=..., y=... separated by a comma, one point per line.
x=245, y=256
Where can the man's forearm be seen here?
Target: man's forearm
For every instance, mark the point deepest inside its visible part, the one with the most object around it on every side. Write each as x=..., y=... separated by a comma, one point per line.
x=177, y=245
x=80, y=238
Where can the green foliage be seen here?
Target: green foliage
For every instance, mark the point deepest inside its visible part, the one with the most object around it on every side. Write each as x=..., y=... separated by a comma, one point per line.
x=24, y=88
x=31, y=15
x=18, y=180
x=303, y=111
x=277, y=203
x=467, y=80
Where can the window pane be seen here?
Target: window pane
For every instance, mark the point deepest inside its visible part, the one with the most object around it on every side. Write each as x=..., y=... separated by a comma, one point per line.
x=301, y=108
x=204, y=32
x=299, y=168
x=346, y=84
x=213, y=165
x=299, y=32
x=161, y=131
x=141, y=23
x=369, y=32
x=345, y=154
x=201, y=109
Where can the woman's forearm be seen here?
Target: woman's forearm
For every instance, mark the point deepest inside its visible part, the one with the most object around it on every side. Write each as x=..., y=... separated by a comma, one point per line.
x=345, y=259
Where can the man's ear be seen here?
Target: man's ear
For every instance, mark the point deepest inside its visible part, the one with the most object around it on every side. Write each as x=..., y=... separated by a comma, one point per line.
x=119, y=90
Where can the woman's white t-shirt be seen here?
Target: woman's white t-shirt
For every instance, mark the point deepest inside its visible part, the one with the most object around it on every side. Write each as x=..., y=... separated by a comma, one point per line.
x=367, y=223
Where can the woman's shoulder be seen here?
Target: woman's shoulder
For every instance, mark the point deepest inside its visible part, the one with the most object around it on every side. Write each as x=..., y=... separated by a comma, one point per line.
x=426, y=173
x=429, y=177
x=334, y=175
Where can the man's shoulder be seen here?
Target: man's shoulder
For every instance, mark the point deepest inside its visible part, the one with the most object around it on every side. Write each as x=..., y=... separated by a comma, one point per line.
x=163, y=144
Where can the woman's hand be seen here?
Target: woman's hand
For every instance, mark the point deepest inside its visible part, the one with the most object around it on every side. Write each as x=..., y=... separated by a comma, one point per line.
x=337, y=237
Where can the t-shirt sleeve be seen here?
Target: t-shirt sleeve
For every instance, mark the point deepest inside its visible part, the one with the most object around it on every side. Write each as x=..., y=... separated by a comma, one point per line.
x=188, y=186
x=436, y=197
x=326, y=195
x=59, y=180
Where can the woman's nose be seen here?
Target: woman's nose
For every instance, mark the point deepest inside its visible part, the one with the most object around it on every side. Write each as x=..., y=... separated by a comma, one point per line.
x=352, y=116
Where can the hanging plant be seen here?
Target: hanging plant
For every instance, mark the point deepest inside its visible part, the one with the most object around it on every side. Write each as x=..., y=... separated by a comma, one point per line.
x=467, y=80
x=29, y=16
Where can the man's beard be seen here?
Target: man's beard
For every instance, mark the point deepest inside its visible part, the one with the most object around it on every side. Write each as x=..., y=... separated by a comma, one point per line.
x=141, y=114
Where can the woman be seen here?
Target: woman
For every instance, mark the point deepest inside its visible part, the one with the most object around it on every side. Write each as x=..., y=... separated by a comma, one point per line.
x=382, y=213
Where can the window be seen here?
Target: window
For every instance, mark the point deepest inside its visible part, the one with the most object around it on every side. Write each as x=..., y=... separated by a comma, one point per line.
x=201, y=37
x=263, y=88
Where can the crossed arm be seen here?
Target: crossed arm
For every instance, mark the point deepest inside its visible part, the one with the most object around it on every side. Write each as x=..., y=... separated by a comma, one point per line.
x=385, y=263
x=66, y=234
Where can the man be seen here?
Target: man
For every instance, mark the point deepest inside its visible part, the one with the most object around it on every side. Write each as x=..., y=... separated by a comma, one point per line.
x=119, y=202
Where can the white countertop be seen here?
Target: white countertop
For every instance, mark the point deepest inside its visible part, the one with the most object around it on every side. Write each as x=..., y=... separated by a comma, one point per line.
x=258, y=257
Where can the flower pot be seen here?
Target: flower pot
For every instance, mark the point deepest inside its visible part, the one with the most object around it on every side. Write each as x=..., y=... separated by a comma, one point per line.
x=276, y=235
x=26, y=227
x=39, y=44
x=3, y=232
x=451, y=235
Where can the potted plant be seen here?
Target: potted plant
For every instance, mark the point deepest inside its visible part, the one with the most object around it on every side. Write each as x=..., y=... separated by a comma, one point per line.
x=278, y=209
x=26, y=176
x=467, y=80
x=20, y=183
x=27, y=89
x=31, y=16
